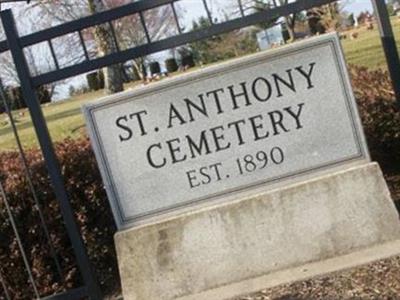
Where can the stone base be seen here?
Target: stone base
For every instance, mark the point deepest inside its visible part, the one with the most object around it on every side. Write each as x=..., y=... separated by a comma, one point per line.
x=302, y=272
x=306, y=229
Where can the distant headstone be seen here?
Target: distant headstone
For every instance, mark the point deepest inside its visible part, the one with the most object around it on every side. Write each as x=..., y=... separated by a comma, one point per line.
x=270, y=37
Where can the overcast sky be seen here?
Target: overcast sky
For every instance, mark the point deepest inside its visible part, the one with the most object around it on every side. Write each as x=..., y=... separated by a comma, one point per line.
x=357, y=6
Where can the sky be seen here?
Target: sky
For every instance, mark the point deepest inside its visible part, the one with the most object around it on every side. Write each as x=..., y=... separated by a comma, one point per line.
x=357, y=6
x=197, y=10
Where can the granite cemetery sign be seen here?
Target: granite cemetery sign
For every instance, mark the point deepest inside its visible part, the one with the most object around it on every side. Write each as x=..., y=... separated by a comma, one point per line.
x=260, y=119
x=244, y=175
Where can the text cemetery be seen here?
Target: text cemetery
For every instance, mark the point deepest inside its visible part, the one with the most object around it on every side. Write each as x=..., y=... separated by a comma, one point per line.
x=265, y=125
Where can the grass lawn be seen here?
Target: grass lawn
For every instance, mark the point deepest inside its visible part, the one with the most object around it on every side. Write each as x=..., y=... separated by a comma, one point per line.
x=367, y=50
x=65, y=119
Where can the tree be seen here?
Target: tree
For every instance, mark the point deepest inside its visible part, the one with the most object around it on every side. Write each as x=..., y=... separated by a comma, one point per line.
x=160, y=23
x=255, y=6
x=327, y=17
x=393, y=7
x=351, y=20
x=290, y=20
x=390, y=9
x=54, y=12
x=224, y=46
x=106, y=45
x=129, y=30
x=36, y=57
x=331, y=16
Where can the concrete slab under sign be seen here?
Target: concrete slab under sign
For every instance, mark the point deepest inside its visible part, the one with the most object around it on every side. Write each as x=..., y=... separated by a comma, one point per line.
x=302, y=272
x=322, y=225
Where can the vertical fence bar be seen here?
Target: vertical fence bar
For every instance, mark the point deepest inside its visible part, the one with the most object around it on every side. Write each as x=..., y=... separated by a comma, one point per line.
x=83, y=45
x=53, y=54
x=208, y=11
x=114, y=36
x=19, y=242
x=144, y=27
x=46, y=145
x=241, y=7
x=176, y=18
x=28, y=176
x=389, y=45
x=3, y=284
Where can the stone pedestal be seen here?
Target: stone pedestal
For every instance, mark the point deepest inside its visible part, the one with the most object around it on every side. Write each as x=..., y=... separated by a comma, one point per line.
x=305, y=229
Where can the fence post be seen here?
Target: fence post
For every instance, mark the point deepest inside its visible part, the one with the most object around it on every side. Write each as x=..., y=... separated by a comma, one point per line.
x=389, y=45
x=42, y=133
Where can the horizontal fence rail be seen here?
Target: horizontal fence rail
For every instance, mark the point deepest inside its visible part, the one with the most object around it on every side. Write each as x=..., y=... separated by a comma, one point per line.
x=150, y=47
x=85, y=22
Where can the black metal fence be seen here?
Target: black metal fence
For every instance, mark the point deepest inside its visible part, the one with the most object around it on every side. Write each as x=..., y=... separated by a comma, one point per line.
x=29, y=85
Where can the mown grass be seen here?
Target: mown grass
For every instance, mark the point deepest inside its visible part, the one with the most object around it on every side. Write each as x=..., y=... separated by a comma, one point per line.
x=367, y=49
x=65, y=119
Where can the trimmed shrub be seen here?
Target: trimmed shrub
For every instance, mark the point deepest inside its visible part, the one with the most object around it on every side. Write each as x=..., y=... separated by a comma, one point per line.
x=154, y=68
x=95, y=80
x=80, y=90
x=171, y=65
x=43, y=95
x=16, y=100
x=92, y=212
x=188, y=61
x=92, y=81
x=379, y=113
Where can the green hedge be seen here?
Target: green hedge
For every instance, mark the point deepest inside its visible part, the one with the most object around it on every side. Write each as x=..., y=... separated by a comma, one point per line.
x=154, y=68
x=382, y=127
x=92, y=212
x=171, y=65
x=16, y=101
x=379, y=113
x=95, y=80
x=188, y=61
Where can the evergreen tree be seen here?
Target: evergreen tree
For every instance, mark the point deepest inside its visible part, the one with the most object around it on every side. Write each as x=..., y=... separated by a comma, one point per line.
x=223, y=46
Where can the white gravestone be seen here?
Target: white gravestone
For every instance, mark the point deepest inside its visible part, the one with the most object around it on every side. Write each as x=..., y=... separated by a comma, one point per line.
x=240, y=176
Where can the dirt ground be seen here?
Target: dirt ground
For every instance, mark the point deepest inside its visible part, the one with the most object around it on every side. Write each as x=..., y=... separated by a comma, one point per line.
x=379, y=280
